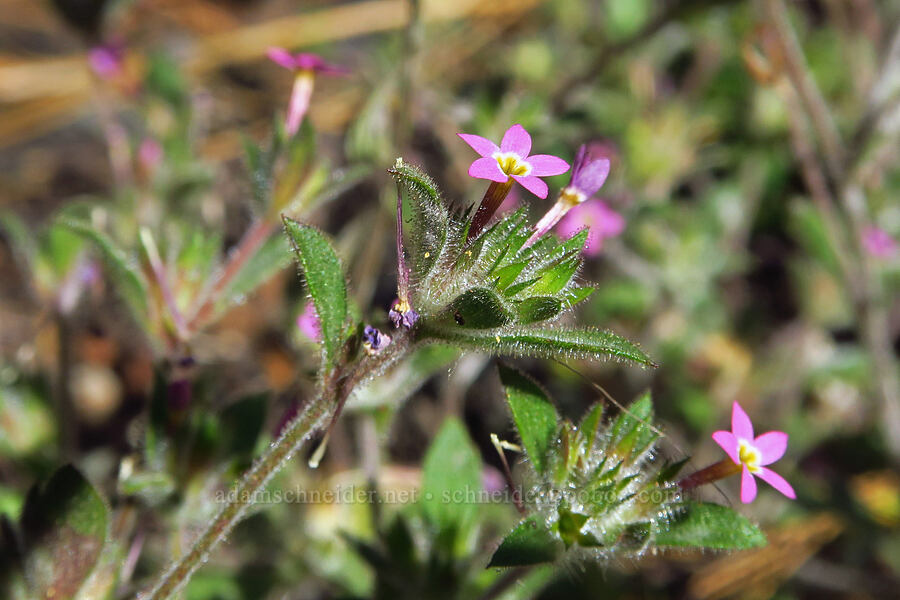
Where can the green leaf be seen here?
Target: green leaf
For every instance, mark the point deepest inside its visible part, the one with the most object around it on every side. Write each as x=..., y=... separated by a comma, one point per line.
x=713, y=526
x=671, y=470
x=325, y=280
x=590, y=426
x=535, y=416
x=125, y=273
x=530, y=543
x=569, y=525
x=631, y=432
x=547, y=343
x=479, y=308
x=506, y=275
x=537, y=309
x=451, y=473
x=64, y=528
x=555, y=277
x=428, y=220
x=573, y=296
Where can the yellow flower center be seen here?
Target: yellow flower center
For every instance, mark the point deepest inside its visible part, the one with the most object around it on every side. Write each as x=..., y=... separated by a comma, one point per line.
x=571, y=197
x=512, y=164
x=402, y=306
x=749, y=455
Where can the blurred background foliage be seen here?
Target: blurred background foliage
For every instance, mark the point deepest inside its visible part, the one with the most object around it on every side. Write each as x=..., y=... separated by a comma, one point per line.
x=753, y=146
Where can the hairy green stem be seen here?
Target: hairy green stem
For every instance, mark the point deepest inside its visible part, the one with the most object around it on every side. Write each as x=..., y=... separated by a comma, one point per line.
x=336, y=388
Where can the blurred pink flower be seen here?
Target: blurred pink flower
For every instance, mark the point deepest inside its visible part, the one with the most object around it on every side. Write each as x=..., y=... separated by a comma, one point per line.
x=753, y=454
x=303, y=61
x=512, y=160
x=305, y=66
x=150, y=154
x=308, y=323
x=878, y=242
x=106, y=60
x=602, y=222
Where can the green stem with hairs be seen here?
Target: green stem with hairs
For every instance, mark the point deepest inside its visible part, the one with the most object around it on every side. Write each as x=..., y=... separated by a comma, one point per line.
x=336, y=388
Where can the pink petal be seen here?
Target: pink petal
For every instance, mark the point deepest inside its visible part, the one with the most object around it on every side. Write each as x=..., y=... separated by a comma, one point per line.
x=771, y=446
x=748, y=486
x=729, y=444
x=517, y=140
x=544, y=165
x=282, y=57
x=740, y=423
x=777, y=481
x=482, y=146
x=609, y=222
x=533, y=184
x=488, y=168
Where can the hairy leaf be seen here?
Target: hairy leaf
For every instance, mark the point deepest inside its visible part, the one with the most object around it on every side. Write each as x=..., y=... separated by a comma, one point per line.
x=534, y=415
x=547, y=343
x=537, y=309
x=325, y=280
x=530, y=543
x=450, y=473
x=713, y=526
x=479, y=309
x=428, y=220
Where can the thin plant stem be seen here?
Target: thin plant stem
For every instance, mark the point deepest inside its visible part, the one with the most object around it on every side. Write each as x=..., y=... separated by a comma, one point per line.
x=714, y=472
x=802, y=79
x=255, y=237
x=334, y=391
x=493, y=198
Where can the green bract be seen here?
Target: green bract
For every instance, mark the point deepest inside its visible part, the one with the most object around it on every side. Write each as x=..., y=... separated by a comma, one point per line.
x=598, y=488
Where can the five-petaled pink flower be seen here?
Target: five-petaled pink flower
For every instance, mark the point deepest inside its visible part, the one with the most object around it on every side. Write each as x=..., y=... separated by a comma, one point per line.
x=512, y=160
x=305, y=66
x=753, y=454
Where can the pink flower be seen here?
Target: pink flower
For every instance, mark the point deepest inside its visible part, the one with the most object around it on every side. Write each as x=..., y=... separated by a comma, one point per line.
x=303, y=61
x=753, y=454
x=308, y=323
x=589, y=172
x=878, y=242
x=602, y=222
x=305, y=66
x=106, y=60
x=511, y=160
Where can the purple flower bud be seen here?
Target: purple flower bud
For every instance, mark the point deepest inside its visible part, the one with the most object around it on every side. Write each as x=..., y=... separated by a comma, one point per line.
x=402, y=314
x=374, y=341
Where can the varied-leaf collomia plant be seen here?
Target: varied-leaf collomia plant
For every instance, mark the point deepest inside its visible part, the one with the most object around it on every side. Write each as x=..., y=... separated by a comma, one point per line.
x=500, y=285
